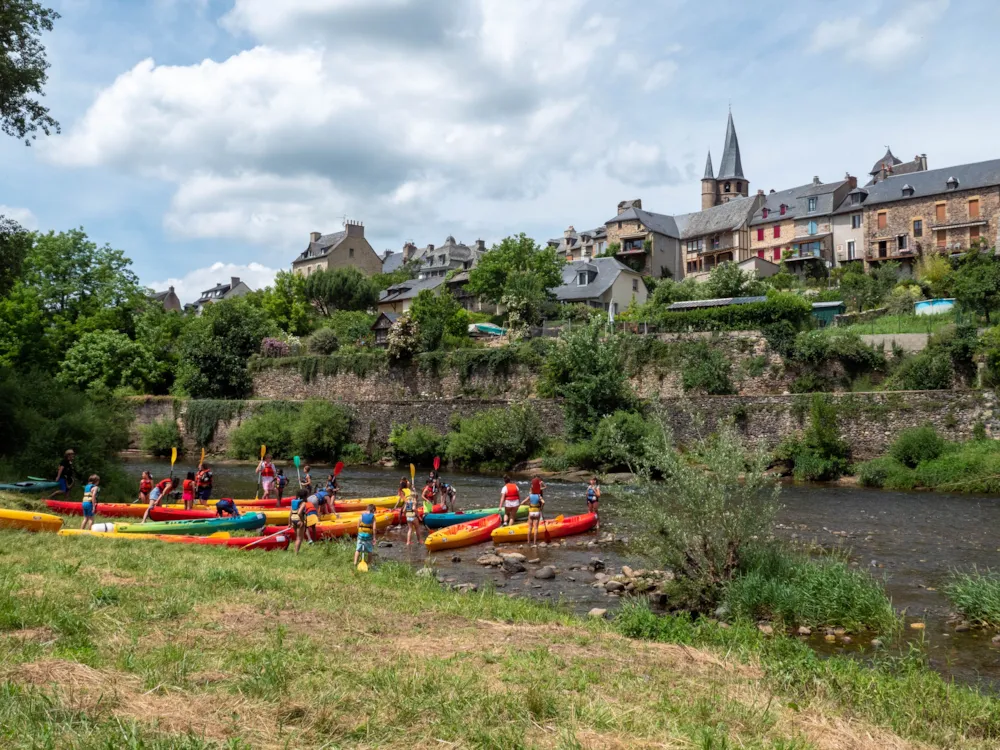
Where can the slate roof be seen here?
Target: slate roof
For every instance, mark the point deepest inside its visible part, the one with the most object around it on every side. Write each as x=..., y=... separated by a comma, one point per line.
x=660, y=223
x=391, y=261
x=719, y=302
x=322, y=246
x=709, y=172
x=979, y=174
x=409, y=289
x=608, y=269
x=722, y=218
x=731, y=167
x=889, y=158
x=846, y=207
x=898, y=167
x=160, y=296
x=796, y=200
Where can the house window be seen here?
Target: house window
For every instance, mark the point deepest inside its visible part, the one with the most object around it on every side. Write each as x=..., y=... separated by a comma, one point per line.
x=777, y=254
x=918, y=228
x=783, y=207
x=600, y=247
x=727, y=187
x=881, y=219
x=440, y=260
x=777, y=231
x=974, y=208
x=942, y=239
x=581, y=278
x=973, y=234
x=882, y=249
x=350, y=253
x=635, y=285
x=855, y=221
x=692, y=266
x=901, y=242
x=851, y=251
x=939, y=213
x=715, y=243
x=812, y=227
x=764, y=212
x=812, y=205
x=695, y=246
x=855, y=199
x=760, y=235
x=619, y=225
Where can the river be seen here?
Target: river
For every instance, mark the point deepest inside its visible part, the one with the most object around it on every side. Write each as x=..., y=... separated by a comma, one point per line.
x=911, y=540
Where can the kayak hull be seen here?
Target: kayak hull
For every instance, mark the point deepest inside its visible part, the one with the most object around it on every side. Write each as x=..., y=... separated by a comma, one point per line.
x=29, y=521
x=548, y=529
x=30, y=486
x=443, y=520
x=109, y=510
x=248, y=542
x=464, y=534
x=194, y=527
x=346, y=526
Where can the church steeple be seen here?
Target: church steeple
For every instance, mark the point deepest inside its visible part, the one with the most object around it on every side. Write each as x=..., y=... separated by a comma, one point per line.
x=709, y=172
x=731, y=166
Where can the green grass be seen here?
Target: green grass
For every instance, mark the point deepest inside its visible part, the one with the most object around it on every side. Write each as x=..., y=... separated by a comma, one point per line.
x=137, y=644
x=973, y=466
x=899, y=324
x=790, y=590
x=976, y=595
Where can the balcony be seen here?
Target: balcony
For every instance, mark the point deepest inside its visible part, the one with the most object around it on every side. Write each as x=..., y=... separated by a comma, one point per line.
x=800, y=254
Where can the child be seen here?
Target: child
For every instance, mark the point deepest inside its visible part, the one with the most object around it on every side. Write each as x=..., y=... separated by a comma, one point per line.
x=449, y=495
x=429, y=495
x=310, y=517
x=366, y=535
x=204, y=481
x=64, y=475
x=593, y=498
x=145, y=487
x=282, y=480
x=332, y=485
x=322, y=501
x=306, y=483
x=266, y=470
x=163, y=488
x=296, y=518
x=226, y=507
x=410, y=514
x=535, y=505
x=90, y=501
x=187, y=491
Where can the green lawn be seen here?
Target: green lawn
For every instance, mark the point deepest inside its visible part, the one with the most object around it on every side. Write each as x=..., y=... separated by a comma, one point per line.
x=899, y=324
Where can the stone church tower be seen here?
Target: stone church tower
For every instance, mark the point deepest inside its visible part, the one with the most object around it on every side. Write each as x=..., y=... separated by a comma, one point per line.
x=730, y=182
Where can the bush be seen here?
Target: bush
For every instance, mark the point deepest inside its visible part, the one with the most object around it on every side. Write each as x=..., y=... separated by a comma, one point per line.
x=352, y=327
x=271, y=425
x=496, y=439
x=916, y=445
x=415, y=445
x=976, y=595
x=320, y=430
x=705, y=368
x=930, y=370
x=272, y=347
x=324, y=341
x=876, y=473
x=820, y=454
x=159, y=437
x=779, y=306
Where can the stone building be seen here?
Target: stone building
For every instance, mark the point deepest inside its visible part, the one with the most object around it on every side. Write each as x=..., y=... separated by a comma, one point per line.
x=717, y=235
x=575, y=245
x=646, y=242
x=796, y=225
x=889, y=166
x=338, y=250
x=439, y=260
x=604, y=283
x=940, y=210
x=729, y=183
x=169, y=299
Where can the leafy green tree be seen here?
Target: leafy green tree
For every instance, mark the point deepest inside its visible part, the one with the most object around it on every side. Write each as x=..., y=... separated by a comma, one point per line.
x=437, y=315
x=340, y=289
x=351, y=326
x=586, y=371
x=14, y=246
x=160, y=332
x=867, y=291
x=669, y=291
x=976, y=283
x=729, y=280
x=403, y=340
x=405, y=272
x=216, y=346
x=518, y=272
x=286, y=303
x=22, y=68
x=110, y=359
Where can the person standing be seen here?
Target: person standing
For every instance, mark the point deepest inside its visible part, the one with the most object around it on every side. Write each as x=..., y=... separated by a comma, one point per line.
x=510, y=501
x=297, y=517
x=90, y=501
x=366, y=535
x=306, y=482
x=429, y=496
x=145, y=487
x=535, y=505
x=267, y=473
x=410, y=514
x=188, y=490
x=64, y=474
x=204, y=481
x=594, y=499
x=281, y=481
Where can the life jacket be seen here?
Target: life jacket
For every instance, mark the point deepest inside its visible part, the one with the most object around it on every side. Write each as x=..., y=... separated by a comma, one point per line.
x=282, y=481
x=366, y=524
x=296, y=502
x=189, y=485
x=535, y=501
x=591, y=494
x=204, y=479
x=512, y=491
x=145, y=486
x=536, y=486
x=267, y=470
x=428, y=493
x=309, y=509
x=409, y=505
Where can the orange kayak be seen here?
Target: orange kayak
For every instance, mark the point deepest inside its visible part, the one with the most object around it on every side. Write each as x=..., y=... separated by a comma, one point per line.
x=548, y=529
x=347, y=525
x=464, y=534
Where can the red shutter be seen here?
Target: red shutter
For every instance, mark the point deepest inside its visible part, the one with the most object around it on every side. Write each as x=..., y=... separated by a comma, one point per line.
x=777, y=254
x=760, y=254
x=777, y=231
x=760, y=235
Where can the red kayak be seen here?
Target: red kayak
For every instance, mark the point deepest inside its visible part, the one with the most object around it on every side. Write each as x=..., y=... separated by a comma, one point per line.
x=111, y=510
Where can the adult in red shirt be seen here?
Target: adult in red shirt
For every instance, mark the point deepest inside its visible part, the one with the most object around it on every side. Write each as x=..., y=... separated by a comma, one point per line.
x=163, y=488
x=267, y=475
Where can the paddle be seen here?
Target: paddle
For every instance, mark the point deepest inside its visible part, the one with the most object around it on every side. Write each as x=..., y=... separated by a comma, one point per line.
x=256, y=495
x=173, y=460
x=437, y=463
x=264, y=539
x=363, y=564
x=298, y=462
x=202, y=462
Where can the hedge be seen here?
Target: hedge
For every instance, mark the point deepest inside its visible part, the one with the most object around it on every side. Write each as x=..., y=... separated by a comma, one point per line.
x=752, y=316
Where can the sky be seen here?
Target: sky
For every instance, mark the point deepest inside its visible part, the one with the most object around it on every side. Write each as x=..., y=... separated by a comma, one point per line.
x=208, y=138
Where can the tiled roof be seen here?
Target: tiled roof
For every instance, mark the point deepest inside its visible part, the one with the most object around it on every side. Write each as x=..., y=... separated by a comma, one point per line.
x=391, y=261
x=659, y=223
x=979, y=174
x=409, y=289
x=796, y=201
x=721, y=218
x=322, y=246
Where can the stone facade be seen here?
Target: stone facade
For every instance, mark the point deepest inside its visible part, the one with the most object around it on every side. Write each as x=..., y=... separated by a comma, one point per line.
x=763, y=240
x=899, y=237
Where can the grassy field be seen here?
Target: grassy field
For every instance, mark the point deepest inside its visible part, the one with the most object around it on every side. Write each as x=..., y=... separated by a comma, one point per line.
x=899, y=324
x=110, y=644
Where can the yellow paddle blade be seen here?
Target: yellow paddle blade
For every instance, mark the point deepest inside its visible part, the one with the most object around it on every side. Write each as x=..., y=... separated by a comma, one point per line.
x=173, y=456
x=413, y=474
x=263, y=450
x=363, y=566
x=219, y=535
x=202, y=455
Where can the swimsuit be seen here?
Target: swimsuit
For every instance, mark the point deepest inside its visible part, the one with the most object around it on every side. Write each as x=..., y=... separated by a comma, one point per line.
x=534, y=506
x=592, y=496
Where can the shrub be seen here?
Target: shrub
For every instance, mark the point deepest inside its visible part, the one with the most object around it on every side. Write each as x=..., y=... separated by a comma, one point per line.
x=820, y=454
x=779, y=306
x=415, y=445
x=320, y=430
x=930, y=370
x=351, y=326
x=976, y=595
x=353, y=454
x=705, y=368
x=324, y=341
x=203, y=416
x=272, y=347
x=271, y=425
x=159, y=437
x=875, y=473
x=916, y=445
x=497, y=438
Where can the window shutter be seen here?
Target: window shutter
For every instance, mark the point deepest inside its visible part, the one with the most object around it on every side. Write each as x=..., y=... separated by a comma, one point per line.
x=777, y=231
x=974, y=208
x=760, y=235
x=939, y=213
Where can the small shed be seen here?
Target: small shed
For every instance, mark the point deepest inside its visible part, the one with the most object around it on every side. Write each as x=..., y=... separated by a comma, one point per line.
x=825, y=312
x=381, y=327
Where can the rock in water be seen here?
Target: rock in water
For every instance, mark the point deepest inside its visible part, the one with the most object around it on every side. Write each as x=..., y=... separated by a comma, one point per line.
x=803, y=630
x=534, y=561
x=596, y=564
x=456, y=559
x=513, y=566
x=513, y=556
x=597, y=612
x=546, y=573
x=613, y=586
x=465, y=588
x=627, y=571
x=490, y=559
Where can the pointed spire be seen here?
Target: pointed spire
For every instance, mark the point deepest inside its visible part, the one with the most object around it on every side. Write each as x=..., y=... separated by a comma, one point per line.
x=709, y=172
x=731, y=165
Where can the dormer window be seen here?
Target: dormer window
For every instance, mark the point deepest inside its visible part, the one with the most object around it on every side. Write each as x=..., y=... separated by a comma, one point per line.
x=440, y=260
x=782, y=209
x=855, y=199
x=811, y=205
x=952, y=183
x=907, y=191
x=581, y=278
x=764, y=213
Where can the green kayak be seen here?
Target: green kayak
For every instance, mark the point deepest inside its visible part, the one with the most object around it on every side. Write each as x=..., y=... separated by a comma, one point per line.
x=442, y=520
x=31, y=486
x=197, y=527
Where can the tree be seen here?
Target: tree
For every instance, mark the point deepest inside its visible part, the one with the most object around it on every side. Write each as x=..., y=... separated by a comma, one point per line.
x=867, y=291
x=405, y=272
x=286, y=303
x=216, y=346
x=340, y=289
x=729, y=280
x=517, y=272
x=160, y=332
x=110, y=359
x=437, y=315
x=976, y=283
x=14, y=246
x=22, y=68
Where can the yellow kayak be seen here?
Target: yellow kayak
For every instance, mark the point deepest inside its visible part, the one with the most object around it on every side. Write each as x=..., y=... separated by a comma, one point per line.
x=281, y=515
x=29, y=520
x=119, y=535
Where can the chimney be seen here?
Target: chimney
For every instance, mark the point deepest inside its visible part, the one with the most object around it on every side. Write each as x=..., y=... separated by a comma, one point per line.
x=816, y=180
x=234, y=281
x=171, y=290
x=569, y=231
x=430, y=248
x=481, y=246
x=354, y=228
x=314, y=236
x=624, y=206
x=923, y=162
x=851, y=179
x=760, y=191
x=772, y=190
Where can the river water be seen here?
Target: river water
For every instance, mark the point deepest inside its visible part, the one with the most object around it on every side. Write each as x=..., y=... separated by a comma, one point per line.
x=910, y=540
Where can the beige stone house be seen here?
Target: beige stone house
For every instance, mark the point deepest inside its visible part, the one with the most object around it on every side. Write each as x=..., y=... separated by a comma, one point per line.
x=604, y=283
x=338, y=250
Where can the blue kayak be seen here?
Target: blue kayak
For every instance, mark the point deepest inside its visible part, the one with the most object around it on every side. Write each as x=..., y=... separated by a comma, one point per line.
x=32, y=486
x=443, y=520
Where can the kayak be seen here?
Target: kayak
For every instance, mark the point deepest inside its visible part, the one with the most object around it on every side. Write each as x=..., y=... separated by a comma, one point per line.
x=346, y=526
x=464, y=534
x=222, y=540
x=201, y=526
x=111, y=510
x=345, y=506
x=28, y=520
x=548, y=529
x=442, y=520
x=30, y=486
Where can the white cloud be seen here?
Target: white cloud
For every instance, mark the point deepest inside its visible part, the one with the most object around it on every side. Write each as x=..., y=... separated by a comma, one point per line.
x=190, y=286
x=659, y=75
x=885, y=45
x=22, y=216
x=642, y=165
